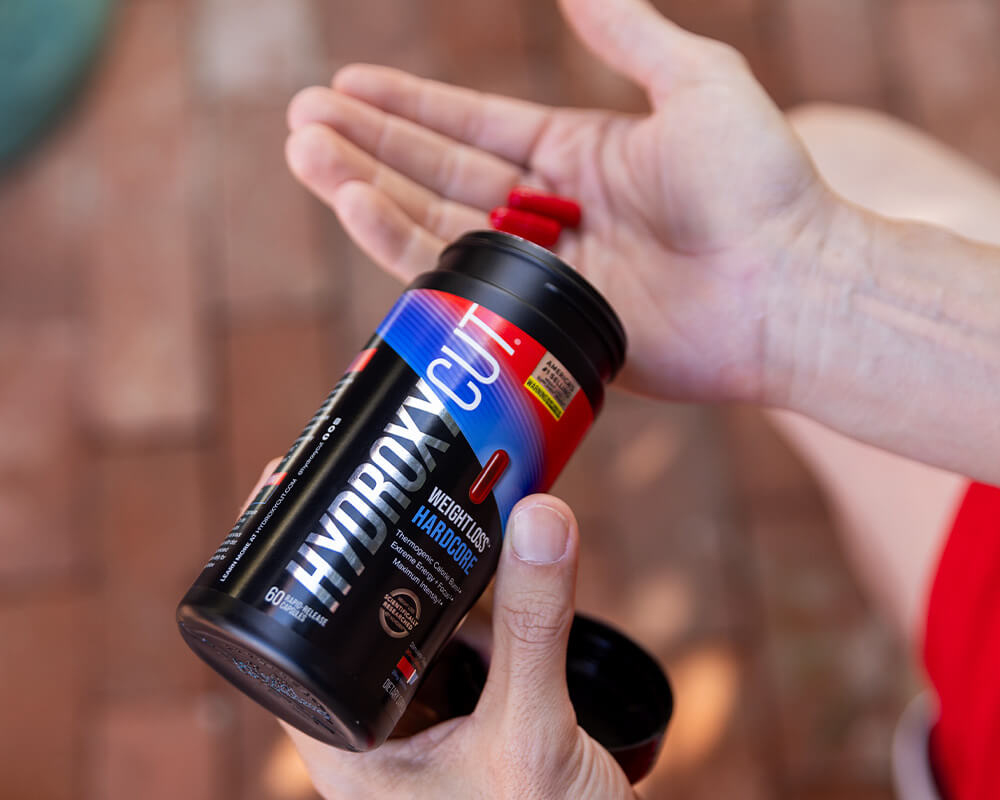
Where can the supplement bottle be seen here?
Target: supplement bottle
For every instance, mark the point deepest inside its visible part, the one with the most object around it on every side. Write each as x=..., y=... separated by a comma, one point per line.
x=383, y=523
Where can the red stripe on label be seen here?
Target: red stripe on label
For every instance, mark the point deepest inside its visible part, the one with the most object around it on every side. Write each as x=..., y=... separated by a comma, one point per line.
x=276, y=478
x=361, y=360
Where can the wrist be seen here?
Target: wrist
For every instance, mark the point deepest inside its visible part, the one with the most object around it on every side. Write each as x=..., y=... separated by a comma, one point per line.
x=808, y=302
x=886, y=331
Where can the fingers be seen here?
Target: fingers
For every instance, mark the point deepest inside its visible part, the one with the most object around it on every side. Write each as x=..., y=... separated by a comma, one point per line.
x=387, y=235
x=453, y=170
x=502, y=126
x=533, y=610
x=378, y=224
x=324, y=161
x=635, y=39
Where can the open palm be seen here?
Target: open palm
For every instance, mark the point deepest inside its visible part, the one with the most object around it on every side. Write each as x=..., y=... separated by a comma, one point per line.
x=688, y=211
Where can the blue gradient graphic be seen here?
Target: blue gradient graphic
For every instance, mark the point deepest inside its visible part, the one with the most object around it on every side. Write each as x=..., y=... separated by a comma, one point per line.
x=416, y=328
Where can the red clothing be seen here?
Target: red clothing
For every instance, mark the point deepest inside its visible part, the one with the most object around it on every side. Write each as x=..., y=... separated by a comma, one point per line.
x=962, y=651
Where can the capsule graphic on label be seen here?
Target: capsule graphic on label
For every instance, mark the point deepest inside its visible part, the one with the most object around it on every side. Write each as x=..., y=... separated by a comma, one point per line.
x=487, y=479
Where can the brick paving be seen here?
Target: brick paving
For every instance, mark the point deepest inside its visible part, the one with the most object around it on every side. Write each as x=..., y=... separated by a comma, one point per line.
x=173, y=306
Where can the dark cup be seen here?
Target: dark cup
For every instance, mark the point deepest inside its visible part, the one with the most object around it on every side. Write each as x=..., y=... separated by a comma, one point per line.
x=621, y=695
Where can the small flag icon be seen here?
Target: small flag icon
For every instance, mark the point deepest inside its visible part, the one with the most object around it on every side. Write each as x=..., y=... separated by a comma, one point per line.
x=407, y=669
x=276, y=478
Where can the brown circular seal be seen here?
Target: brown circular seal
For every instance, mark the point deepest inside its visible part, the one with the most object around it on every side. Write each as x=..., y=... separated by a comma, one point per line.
x=400, y=612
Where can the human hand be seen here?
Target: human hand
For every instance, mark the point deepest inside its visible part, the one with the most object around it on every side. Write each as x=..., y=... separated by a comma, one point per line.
x=690, y=212
x=522, y=741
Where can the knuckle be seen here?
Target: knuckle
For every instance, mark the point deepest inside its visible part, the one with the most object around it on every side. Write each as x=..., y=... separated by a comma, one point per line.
x=723, y=56
x=450, y=171
x=538, y=619
x=434, y=216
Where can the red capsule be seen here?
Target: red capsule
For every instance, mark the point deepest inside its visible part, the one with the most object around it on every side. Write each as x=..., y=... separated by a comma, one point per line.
x=487, y=479
x=533, y=227
x=554, y=206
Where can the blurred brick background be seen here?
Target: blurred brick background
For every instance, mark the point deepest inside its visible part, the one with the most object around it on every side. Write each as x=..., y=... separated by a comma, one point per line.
x=173, y=307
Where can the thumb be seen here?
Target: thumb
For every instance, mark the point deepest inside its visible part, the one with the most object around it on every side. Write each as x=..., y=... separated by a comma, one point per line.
x=532, y=614
x=634, y=38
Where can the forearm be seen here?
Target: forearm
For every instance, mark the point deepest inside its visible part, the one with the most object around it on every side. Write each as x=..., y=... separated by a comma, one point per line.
x=889, y=332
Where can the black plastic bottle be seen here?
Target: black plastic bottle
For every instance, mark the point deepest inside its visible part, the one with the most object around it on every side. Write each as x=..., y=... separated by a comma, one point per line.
x=383, y=523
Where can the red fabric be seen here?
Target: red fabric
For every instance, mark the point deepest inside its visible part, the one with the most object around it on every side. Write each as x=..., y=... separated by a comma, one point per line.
x=962, y=651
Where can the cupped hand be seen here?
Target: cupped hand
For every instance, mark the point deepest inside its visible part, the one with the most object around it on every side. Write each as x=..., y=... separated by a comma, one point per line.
x=522, y=741
x=690, y=211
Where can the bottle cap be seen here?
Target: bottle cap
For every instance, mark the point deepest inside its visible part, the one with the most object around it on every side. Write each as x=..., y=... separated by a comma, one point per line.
x=621, y=696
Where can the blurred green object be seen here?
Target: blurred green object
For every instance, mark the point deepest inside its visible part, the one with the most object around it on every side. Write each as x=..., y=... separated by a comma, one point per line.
x=46, y=47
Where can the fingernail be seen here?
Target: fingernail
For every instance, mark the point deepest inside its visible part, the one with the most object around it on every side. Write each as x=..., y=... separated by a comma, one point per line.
x=539, y=534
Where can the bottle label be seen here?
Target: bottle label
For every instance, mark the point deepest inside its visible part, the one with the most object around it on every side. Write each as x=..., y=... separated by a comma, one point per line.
x=505, y=390
x=383, y=523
